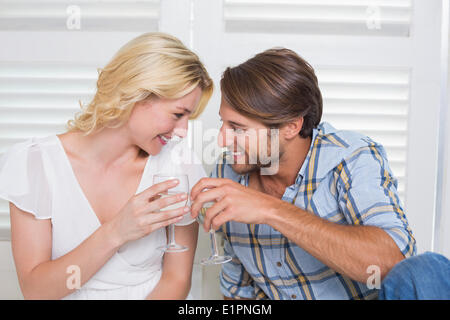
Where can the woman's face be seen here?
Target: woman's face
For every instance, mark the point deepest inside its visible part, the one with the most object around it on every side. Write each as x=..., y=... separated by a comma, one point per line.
x=153, y=122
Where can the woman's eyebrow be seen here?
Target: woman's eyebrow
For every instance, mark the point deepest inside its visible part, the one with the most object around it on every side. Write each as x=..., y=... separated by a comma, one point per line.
x=185, y=110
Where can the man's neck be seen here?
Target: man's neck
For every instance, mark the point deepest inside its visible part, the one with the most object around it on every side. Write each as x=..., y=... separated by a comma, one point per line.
x=294, y=155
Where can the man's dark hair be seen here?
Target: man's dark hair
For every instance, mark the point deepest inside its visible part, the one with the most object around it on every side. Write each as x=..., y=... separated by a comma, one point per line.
x=274, y=87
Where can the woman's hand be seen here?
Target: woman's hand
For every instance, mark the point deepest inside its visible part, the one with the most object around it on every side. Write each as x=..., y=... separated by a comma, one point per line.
x=140, y=216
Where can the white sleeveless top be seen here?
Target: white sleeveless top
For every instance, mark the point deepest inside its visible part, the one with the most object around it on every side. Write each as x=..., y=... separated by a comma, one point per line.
x=37, y=177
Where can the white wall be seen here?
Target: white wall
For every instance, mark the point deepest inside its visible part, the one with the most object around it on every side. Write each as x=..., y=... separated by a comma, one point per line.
x=9, y=285
x=442, y=238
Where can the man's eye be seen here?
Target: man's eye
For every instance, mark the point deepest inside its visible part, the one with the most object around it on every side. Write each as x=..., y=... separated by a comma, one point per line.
x=238, y=130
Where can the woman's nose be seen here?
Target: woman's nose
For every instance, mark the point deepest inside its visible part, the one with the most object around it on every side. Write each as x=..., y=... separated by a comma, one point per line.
x=181, y=129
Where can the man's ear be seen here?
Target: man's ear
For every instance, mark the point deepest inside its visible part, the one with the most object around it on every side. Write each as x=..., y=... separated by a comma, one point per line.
x=293, y=128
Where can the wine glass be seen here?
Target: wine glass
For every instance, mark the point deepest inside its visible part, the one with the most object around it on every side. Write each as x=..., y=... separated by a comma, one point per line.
x=215, y=258
x=183, y=186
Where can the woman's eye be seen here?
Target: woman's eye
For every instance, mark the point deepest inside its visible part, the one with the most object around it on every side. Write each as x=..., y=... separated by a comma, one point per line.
x=178, y=115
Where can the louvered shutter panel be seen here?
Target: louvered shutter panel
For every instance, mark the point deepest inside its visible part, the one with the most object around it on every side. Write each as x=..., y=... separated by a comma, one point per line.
x=48, y=65
x=350, y=17
x=372, y=101
x=377, y=63
x=53, y=15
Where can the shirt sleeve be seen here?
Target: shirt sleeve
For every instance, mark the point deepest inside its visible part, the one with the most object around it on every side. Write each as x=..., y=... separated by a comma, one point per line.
x=235, y=281
x=23, y=180
x=367, y=195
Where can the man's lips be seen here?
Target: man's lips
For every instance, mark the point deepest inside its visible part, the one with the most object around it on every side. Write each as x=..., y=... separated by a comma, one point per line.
x=235, y=154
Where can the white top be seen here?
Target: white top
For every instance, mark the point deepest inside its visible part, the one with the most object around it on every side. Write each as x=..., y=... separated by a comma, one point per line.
x=36, y=175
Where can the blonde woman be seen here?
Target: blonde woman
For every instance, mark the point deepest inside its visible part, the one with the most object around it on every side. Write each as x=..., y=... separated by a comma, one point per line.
x=85, y=220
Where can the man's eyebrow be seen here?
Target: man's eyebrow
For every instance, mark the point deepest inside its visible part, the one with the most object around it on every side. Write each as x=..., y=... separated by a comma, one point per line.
x=236, y=124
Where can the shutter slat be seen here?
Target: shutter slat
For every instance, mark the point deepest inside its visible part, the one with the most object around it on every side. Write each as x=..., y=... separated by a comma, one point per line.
x=93, y=15
x=14, y=115
x=44, y=99
x=366, y=106
x=319, y=17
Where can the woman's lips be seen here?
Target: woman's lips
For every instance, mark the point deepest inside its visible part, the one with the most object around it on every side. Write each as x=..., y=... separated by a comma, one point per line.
x=163, y=140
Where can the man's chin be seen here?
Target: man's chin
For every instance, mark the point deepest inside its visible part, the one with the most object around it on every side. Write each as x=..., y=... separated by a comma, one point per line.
x=244, y=168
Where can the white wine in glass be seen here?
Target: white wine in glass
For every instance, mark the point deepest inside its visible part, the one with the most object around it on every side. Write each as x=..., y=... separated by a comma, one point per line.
x=181, y=187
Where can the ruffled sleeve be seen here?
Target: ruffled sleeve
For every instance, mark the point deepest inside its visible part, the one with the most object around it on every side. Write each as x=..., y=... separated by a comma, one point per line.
x=23, y=179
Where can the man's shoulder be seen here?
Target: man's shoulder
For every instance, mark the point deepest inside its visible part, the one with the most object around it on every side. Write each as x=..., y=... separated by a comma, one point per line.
x=334, y=147
x=346, y=140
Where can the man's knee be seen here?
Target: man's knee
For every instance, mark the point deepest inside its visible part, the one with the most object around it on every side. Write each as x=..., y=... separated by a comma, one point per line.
x=426, y=276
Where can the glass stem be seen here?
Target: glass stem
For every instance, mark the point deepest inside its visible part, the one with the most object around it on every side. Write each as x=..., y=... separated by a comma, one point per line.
x=172, y=234
x=212, y=235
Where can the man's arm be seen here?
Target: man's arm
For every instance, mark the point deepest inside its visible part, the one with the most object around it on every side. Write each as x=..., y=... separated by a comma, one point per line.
x=347, y=249
x=368, y=203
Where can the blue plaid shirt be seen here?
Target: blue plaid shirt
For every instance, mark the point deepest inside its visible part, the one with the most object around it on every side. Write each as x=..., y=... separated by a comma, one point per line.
x=345, y=179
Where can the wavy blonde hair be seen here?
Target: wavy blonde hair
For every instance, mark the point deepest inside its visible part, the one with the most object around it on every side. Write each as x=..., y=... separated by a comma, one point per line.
x=151, y=65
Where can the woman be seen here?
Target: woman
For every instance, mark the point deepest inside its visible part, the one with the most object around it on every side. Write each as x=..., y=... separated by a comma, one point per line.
x=85, y=220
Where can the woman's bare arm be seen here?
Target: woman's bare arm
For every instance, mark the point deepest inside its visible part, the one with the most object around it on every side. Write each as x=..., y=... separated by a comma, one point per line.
x=43, y=278
x=175, y=281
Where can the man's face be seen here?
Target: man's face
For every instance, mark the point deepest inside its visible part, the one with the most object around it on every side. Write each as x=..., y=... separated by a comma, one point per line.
x=253, y=146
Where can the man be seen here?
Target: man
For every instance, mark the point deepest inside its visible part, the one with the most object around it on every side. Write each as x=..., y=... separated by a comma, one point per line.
x=316, y=214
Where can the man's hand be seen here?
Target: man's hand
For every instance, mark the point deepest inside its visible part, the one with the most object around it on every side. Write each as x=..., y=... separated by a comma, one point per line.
x=233, y=202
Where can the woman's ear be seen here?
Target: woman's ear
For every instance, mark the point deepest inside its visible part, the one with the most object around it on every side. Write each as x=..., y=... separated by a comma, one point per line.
x=293, y=128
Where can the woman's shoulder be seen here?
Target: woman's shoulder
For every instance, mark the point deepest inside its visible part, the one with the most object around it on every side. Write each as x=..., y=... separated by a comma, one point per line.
x=27, y=147
x=24, y=178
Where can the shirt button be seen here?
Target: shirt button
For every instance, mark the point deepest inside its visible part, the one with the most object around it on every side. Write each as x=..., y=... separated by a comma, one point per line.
x=294, y=296
x=278, y=264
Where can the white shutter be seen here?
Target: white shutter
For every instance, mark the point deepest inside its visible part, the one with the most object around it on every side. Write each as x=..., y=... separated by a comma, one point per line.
x=378, y=67
x=52, y=15
x=37, y=99
x=47, y=67
x=350, y=17
x=372, y=101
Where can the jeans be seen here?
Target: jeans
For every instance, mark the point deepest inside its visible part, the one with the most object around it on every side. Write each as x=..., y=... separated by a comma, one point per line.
x=426, y=276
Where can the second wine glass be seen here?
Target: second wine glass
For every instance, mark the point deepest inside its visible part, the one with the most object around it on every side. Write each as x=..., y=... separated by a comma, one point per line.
x=215, y=257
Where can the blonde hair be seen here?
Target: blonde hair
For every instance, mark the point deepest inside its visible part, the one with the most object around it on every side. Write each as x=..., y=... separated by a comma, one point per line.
x=151, y=65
